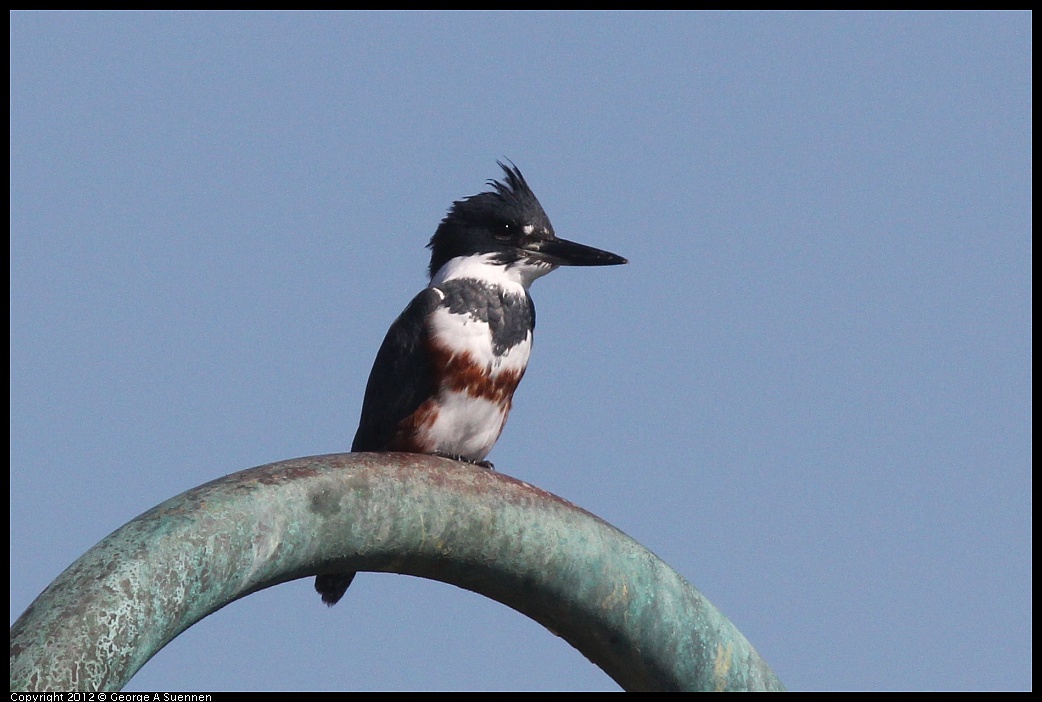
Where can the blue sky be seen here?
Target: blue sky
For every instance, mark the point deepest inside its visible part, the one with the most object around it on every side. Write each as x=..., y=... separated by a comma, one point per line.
x=809, y=391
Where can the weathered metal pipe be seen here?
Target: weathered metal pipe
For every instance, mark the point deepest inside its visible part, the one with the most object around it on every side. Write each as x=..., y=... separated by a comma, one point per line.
x=620, y=605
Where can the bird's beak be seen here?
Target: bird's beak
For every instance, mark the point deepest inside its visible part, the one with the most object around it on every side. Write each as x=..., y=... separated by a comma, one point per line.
x=562, y=252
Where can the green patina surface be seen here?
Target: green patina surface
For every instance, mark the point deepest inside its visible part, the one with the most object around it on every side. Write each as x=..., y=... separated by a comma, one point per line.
x=586, y=581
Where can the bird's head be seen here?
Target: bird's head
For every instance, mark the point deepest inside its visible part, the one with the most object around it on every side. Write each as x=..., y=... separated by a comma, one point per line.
x=508, y=226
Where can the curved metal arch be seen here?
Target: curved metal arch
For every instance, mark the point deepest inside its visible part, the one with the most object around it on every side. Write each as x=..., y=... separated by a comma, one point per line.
x=616, y=602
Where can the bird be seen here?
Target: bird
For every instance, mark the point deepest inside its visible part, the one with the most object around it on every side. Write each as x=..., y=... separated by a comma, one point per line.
x=444, y=377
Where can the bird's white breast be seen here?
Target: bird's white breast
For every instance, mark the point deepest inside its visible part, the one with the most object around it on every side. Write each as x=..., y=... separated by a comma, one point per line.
x=474, y=403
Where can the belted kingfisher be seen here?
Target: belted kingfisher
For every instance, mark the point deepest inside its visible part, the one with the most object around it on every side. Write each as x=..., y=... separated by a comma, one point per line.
x=445, y=375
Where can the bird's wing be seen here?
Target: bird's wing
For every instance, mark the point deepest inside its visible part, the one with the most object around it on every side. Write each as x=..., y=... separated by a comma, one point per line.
x=402, y=376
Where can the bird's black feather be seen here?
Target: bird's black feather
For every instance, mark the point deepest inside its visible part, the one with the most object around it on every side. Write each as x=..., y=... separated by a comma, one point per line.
x=401, y=378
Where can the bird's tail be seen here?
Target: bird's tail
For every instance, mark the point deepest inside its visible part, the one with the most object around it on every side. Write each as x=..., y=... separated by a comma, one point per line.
x=332, y=586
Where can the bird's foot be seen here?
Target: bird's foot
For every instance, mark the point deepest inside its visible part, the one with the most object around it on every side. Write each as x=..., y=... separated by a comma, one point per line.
x=456, y=457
